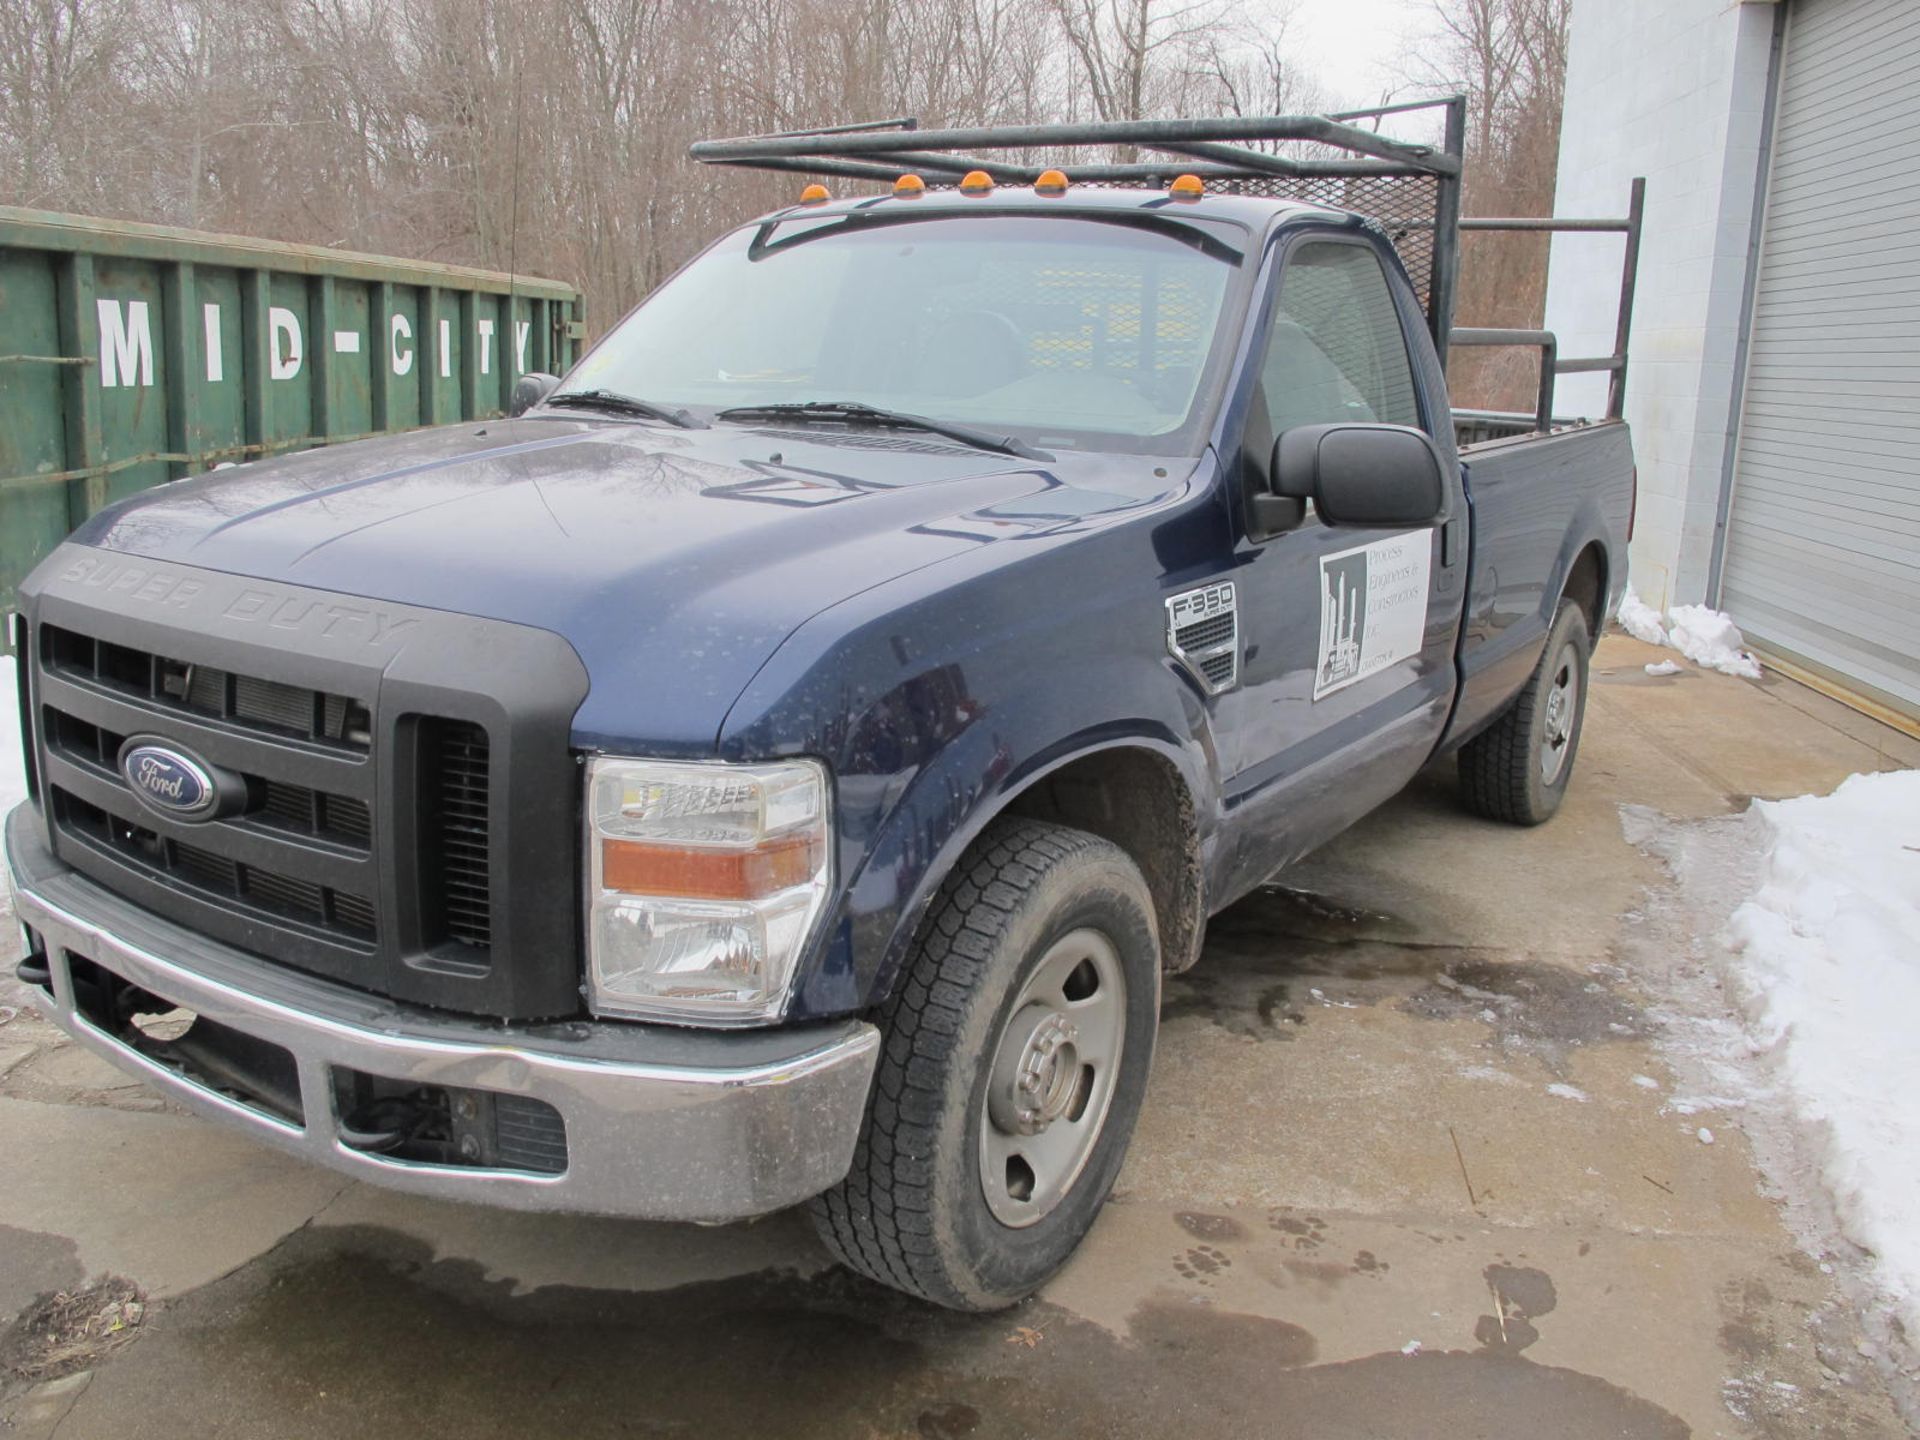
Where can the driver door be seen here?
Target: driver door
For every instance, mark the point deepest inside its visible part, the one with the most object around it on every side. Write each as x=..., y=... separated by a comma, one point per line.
x=1348, y=633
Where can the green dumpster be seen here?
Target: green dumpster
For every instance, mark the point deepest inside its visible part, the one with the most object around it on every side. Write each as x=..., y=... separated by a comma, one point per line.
x=135, y=354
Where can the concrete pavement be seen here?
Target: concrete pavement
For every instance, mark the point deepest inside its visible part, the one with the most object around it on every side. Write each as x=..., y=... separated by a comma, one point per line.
x=1415, y=1163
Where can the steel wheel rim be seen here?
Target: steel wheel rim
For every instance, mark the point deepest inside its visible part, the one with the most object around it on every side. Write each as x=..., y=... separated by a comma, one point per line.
x=1051, y=1074
x=1562, y=709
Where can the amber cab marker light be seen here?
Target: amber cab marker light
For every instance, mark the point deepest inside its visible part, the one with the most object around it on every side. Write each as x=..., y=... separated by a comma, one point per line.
x=1051, y=182
x=1186, y=187
x=815, y=194
x=908, y=187
x=976, y=182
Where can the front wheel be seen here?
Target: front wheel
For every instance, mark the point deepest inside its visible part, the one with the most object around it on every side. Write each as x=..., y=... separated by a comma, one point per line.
x=1518, y=767
x=1018, y=1043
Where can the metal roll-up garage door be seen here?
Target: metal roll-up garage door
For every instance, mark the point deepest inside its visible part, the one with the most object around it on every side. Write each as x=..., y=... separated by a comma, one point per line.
x=1822, y=559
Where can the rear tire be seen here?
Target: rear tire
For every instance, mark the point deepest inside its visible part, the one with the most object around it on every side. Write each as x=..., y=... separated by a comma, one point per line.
x=1517, y=769
x=1017, y=1046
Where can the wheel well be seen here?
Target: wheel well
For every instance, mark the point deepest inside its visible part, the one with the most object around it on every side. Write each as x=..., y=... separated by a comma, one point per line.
x=1587, y=586
x=1137, y=800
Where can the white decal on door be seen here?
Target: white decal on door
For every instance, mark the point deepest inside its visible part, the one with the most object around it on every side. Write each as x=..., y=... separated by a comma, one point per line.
x=1373, y=608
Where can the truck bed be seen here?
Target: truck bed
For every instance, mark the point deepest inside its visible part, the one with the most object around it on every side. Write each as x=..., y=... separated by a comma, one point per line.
x=1527, y=489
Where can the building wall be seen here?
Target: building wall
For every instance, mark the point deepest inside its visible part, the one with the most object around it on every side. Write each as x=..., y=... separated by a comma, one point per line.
x=1674, y=90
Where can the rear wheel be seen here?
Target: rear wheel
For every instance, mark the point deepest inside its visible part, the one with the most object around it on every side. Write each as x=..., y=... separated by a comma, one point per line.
x=1017, y=1048
x=1517, y=769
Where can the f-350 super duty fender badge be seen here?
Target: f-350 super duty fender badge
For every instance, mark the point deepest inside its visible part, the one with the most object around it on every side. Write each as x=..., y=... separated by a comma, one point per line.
x=1203, y=632
x=1373, y=608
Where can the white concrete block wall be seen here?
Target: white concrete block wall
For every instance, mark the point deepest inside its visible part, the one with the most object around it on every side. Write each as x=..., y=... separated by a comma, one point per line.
x=1674, y=90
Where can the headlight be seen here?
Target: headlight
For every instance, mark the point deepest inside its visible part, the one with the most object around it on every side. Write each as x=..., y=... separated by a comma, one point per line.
x=706, y=883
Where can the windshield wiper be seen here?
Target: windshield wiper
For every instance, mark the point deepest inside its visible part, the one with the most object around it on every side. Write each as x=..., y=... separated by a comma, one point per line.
x=620, y=404
x=855, y=413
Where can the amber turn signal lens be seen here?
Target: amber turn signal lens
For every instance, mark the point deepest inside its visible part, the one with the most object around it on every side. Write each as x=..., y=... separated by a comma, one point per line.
x=976, y=182
x=814, y=195
x=1187, y=187
x=1051, y=182
x=638, y=868
x=909, y=185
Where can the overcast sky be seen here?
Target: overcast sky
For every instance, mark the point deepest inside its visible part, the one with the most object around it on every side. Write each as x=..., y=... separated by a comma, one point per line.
x=1354, y=48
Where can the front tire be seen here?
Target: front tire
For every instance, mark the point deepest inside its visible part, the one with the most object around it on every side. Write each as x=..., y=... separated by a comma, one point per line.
x=1018, y=1043
x=1517, y=769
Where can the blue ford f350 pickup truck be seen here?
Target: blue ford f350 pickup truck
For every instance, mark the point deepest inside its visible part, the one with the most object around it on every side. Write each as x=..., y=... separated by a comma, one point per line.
x=779, y=764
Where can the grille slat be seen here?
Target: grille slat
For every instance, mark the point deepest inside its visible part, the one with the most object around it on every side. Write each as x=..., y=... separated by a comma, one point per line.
x=243, y=700
x=194, y=867
x=297, y=897
x=530, y=1133
x=282, y=806
x=458, y=765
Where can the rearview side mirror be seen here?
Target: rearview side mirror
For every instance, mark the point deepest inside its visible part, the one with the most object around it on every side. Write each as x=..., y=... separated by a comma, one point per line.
x=529, y=390
x=1362, y=474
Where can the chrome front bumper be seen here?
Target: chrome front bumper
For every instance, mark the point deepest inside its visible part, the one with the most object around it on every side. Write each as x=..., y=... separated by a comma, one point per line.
x=661, y=1124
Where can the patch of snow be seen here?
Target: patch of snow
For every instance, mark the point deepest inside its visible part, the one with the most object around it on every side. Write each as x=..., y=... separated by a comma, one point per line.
x=1706, y=1135
x=1412, y=1347
x=1705, y=636
x=1487, y=1072
x=1641, y=620
x=1709, y=638
x=1567, y=1092
x=1694, y=1104
x=13, y=763
x=1828, y=974
x=1646, y=1082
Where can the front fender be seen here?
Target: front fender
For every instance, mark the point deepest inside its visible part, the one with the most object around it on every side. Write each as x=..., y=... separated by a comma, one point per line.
x=935, y=712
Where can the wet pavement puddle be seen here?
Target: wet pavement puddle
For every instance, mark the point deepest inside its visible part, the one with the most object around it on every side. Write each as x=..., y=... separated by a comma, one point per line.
x=360, y=1331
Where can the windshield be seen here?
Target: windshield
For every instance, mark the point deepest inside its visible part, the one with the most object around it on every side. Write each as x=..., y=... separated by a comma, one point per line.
x=1066, y=331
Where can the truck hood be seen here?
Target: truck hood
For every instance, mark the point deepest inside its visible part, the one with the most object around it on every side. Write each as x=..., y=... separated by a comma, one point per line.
x=674, y=561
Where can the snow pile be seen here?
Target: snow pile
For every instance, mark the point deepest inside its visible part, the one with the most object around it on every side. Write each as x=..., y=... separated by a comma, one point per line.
x=1663, y=667
x=13, y=763
x=1706, y=637
x=1641, y=620
x=1827, y=959
x=1709, y=638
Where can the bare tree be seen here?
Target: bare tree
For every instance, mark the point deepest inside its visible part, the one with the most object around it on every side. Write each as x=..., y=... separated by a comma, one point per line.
x=553, y=138
x=1509, y=58
x=1137, y=58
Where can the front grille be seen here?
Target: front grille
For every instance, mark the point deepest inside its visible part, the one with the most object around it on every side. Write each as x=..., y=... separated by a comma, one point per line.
x=455, y=795
x=314, y=812
x=281, y=805
x=216, y=876
x=291, y=875
x=361, y=755
x=246, y=701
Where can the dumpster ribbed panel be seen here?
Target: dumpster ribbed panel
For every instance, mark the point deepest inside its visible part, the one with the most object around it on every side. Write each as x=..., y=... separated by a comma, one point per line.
x=135, y=354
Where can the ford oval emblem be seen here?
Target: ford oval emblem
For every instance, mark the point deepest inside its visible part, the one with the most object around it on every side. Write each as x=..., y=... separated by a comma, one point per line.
x=168, y=780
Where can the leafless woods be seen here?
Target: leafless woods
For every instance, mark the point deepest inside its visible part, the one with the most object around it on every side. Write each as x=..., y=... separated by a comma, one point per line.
x=552, y=137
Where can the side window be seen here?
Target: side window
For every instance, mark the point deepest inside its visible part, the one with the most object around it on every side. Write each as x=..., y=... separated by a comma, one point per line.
x=1336, y=351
